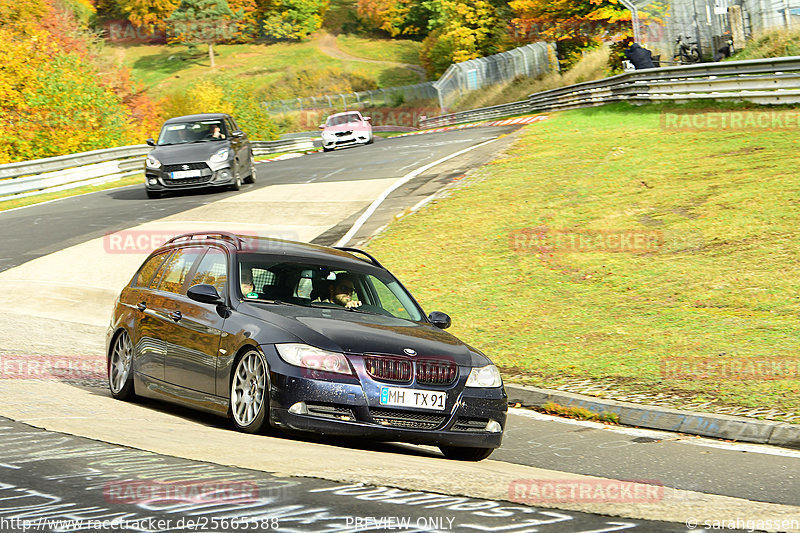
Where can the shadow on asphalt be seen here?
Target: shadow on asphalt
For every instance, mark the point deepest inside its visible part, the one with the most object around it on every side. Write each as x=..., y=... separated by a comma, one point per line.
x=137, y=193
x=99, y=388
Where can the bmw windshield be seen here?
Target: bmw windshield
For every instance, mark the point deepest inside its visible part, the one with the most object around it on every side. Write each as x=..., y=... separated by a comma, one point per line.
x=309, y=285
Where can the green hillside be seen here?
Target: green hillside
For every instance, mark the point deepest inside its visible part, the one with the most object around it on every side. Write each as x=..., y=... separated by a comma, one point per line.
x=708, y=277
x=165, y=69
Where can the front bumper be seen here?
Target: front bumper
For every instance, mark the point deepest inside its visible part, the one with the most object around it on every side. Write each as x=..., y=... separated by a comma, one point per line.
x=351, y=407
x=346, y=139
x=206, y=175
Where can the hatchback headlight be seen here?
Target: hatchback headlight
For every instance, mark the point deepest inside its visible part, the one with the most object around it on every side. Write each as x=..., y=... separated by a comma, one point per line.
x=306, y=356
x=152, y=162
x=220, y=156
x=487, y=376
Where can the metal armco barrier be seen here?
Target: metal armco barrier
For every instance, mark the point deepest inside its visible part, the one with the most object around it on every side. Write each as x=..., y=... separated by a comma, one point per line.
x=285, y=145
x=762, y=81
x=52, y=174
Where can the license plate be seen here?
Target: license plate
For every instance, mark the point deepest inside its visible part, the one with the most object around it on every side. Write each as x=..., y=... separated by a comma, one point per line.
x=420, y=399
x=182, y=174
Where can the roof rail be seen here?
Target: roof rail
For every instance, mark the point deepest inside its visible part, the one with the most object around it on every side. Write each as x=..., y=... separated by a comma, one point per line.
x=221, y=235
x=362, y=252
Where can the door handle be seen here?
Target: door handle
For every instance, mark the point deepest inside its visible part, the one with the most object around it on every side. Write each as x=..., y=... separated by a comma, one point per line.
x=175, y=315
x=141, y=306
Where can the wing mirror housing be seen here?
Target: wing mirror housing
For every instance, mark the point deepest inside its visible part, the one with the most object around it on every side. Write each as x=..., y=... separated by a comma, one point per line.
x=150, y=142
x=206, y=294
x=440, y=320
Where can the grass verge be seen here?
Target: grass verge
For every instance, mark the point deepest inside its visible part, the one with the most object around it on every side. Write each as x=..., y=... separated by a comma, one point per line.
x=719, y=288
x=579, y=413
x=14, y=203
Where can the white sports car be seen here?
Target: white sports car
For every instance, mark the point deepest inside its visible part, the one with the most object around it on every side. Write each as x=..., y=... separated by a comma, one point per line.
x=345, y=129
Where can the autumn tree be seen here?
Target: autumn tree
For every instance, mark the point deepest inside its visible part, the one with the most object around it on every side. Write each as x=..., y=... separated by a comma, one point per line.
x=461, y=30
x=202, y=21
x=294, y=19
x=150, y=14
x=572, y=24
x=247, y=25
x=396, y=17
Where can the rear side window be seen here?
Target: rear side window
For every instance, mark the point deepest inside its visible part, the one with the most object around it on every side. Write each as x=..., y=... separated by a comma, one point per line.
x=177, y=268
x=149, y=269
x=213, y=270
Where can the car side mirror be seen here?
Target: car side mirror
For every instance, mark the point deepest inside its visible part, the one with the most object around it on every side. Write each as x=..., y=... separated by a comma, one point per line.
x=440, y=320
x=322, y=126
x=206, y=294
x=367, y=118
x=150, y=142
x=237, y=134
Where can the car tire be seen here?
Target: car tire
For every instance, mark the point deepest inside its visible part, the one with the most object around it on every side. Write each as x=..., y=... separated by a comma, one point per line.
x=252, y=177
x=327, y=149
x=237, y=179
x=466, y=454
x=371, y=139
x=153, y=195
x=120, y=366
x=249, y=398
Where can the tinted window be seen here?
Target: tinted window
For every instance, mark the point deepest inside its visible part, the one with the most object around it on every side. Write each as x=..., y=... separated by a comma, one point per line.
x=322, y=286
x=213, y=270
x=149, y=269
x=177, y=269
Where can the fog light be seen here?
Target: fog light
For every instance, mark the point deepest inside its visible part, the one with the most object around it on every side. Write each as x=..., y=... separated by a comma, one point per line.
x=223, y=175
x=494, y=427
x=152, y=181
x=300, y=409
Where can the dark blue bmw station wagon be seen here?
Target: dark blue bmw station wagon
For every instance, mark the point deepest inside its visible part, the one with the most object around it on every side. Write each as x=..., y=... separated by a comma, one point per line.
x=300, y=337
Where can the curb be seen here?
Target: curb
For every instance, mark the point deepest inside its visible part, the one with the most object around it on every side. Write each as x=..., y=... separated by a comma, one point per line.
x=655, y=417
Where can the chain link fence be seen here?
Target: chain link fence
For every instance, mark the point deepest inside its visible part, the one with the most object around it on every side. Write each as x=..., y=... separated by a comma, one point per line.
x=531, y=60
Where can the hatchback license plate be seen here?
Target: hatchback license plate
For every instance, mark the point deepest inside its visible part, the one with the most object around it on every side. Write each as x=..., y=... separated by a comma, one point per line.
x=182, y=174
x=420, y=399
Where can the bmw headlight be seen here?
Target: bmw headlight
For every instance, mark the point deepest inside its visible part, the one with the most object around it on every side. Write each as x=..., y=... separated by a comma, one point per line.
x=487, y=376
x=306, y=356
x=220, y=156
x=152, y=162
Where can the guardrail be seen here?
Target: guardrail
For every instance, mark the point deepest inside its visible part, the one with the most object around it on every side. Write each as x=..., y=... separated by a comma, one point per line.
x=29, y=178
x=763, y=81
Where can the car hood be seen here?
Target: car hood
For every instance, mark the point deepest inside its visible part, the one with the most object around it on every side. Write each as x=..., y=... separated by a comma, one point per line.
x=360, y=333
x=174, y=154
x=347, y=127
